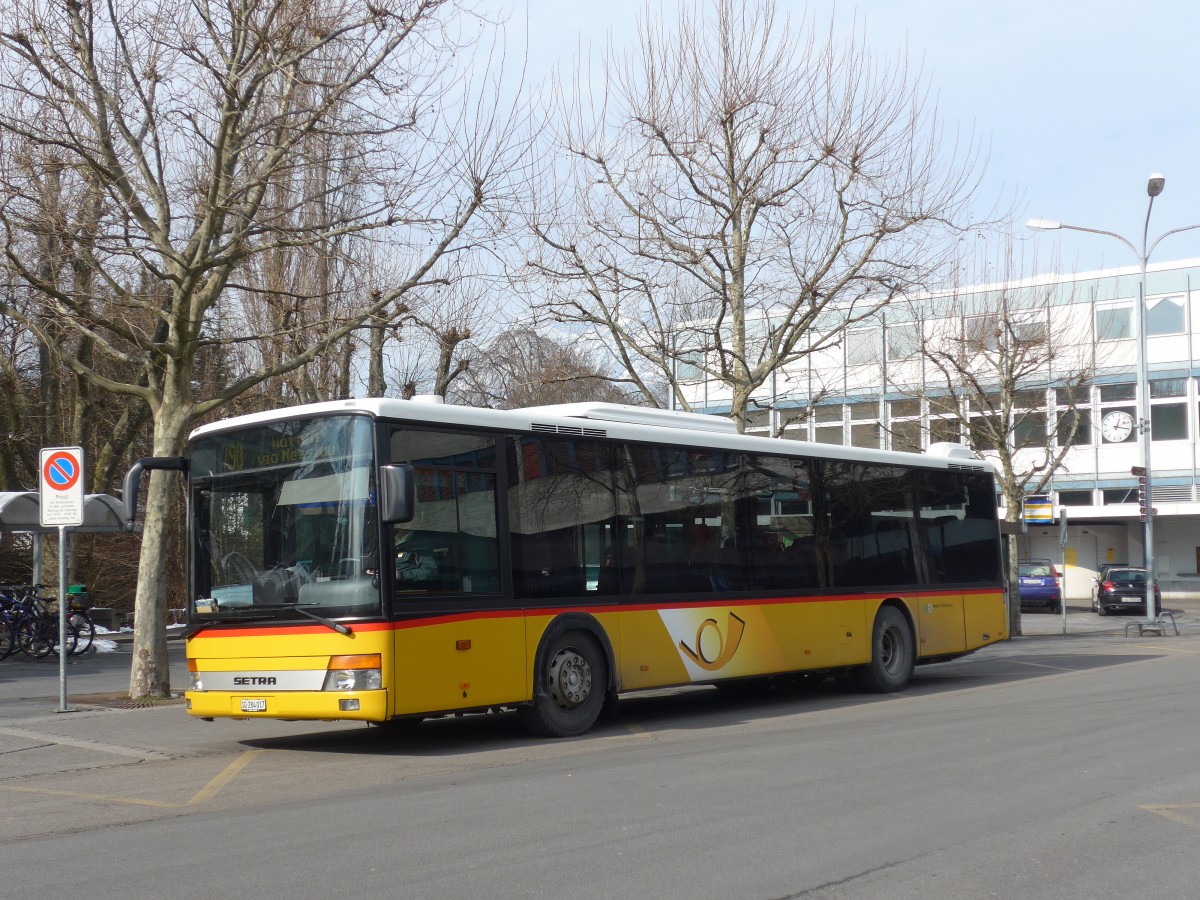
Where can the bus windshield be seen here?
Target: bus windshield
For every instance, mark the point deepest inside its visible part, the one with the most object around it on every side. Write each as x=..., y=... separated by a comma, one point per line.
x=284, y=520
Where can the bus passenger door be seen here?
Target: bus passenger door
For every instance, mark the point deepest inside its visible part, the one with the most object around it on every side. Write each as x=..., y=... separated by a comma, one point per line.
x=459, y=644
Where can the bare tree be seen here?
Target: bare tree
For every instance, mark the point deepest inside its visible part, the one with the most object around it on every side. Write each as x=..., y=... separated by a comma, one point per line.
x=1004, y=367
x=523, y=367
x=179, y=133
x=745, y=185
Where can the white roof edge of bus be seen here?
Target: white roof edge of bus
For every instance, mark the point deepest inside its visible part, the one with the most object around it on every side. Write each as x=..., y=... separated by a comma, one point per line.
x=521, y=420
x=636, y=415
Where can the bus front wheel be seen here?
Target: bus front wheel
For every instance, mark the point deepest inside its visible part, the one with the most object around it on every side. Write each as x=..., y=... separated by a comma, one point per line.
x=569, y=689
x=892, y=654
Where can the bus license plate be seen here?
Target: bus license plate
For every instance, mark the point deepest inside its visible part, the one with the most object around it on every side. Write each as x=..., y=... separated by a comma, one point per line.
x=254, y=706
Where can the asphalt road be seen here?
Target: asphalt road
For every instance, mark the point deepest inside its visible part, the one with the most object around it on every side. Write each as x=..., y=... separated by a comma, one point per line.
x=1044, y=767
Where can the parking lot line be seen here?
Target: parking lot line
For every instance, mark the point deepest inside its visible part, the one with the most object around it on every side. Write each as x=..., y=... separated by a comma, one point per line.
x=223, y=778
x=1172, y=811
x=81, y=795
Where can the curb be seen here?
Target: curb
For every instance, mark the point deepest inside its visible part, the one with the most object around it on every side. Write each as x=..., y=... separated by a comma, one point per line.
x=174, y=633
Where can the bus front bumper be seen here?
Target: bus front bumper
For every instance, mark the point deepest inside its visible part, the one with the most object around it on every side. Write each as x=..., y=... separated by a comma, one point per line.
x=369, y=706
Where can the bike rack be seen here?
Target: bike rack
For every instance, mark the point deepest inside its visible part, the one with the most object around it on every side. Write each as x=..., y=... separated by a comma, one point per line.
x=1159, y=625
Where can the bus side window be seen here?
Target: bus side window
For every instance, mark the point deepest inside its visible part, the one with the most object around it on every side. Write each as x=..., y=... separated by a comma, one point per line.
x=454, y=529
x=562, y=510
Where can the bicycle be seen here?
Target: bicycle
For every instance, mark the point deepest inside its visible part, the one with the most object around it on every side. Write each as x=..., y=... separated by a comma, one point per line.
x=8, y=640
x=34, y=625
x=82, y=625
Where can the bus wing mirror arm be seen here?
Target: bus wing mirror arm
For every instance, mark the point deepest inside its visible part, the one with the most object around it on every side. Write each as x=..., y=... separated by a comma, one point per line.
x=133, y=478
x=396, y=492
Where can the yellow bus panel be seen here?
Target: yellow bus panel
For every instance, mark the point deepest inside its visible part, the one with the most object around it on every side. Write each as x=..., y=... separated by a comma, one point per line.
x=460, y=663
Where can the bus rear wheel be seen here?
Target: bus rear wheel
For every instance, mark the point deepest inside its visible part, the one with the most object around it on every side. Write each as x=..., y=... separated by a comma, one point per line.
x=892, y=654
x=569, y=688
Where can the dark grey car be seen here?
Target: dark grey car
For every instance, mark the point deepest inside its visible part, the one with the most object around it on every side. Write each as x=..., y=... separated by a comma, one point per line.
x=1122, y=590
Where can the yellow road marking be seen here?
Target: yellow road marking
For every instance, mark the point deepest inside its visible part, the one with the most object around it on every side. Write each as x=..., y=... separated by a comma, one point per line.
x=1043, y=666
x=1171, y=811
x=1161, y=647
x=203, y=795
x=635, y=729
x=210, y=790
x=80, y=795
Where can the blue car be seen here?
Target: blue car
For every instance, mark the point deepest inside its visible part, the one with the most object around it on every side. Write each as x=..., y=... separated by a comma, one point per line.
x=1039, y=585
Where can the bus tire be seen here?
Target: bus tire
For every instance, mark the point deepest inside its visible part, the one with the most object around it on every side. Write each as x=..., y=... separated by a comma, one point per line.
x=892, y=654
x=570, y=686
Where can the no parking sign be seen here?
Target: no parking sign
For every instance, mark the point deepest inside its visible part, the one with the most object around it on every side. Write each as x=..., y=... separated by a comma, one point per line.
x=61, y=486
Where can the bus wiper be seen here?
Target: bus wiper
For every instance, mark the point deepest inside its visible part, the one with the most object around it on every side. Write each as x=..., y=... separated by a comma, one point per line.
x=328, y=623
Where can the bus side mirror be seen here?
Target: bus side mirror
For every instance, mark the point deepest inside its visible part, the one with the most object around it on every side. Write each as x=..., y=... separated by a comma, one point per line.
x=396, y=493
x=133, y=480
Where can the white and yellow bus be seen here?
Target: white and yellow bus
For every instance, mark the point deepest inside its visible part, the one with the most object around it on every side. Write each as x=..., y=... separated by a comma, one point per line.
x=387, y=559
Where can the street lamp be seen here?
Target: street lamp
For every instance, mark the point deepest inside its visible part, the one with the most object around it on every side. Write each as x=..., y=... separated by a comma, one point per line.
x=1154, y=187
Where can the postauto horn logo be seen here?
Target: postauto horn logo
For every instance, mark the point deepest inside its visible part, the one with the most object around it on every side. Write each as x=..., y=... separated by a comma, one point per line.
x=713, y=648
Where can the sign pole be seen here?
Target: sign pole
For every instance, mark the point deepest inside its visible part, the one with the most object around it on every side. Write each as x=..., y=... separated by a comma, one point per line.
x=62, y=618
x=1062, y=543
x=60, y=496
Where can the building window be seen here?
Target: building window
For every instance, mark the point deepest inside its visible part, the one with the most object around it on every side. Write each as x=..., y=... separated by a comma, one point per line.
x=794, y=422
x=1114, y=321
x=981, y=334
x=985, y=403
x=1168, y=422
x=906, y=435
x=1165, y=316
x=1113, y=392
x=1076, y=395
x=904, y=417
x=1030, y=430
x=1168, y=387
x=1081, y=421
x=1028, y=329
x=862, y=347
x=985, y=433
x=758, y=419
x=827, y=435
x=860, y=411
x=1074, y=498
x=1029, y=399
x=1113, y=496
x=903, y=341
x=944, y=430
x=1078, y=419
x=865, y=435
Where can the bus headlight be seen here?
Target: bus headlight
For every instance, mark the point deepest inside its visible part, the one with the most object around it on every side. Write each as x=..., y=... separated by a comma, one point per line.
x=353, y=680
x=360, y=672
x=194, y=676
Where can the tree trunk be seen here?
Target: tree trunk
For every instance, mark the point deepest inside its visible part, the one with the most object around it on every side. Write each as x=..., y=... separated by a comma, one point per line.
x=150, y=673
x=1014, y=588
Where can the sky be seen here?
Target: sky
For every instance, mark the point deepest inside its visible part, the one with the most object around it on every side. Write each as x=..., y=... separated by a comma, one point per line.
x=1078, y=103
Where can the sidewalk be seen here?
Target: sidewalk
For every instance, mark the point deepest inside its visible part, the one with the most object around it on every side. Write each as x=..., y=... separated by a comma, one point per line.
x=125, y=636
x=1080, y=620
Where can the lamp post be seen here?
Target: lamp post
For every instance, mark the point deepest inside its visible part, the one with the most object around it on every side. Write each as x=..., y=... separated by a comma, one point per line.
x=1154, y=187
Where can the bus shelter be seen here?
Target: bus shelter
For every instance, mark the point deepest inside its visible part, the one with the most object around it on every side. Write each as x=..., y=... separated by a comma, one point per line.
x=20, y=511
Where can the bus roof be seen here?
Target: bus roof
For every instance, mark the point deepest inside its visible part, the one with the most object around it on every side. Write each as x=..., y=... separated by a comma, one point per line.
x=605, y=420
